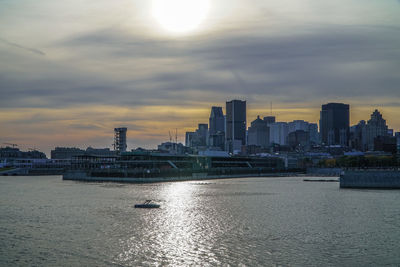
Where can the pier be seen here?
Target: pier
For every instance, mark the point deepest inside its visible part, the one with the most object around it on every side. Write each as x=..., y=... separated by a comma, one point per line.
x=371, y=178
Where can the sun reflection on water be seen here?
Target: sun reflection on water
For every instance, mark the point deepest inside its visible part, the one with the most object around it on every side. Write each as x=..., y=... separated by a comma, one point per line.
x=173, y=234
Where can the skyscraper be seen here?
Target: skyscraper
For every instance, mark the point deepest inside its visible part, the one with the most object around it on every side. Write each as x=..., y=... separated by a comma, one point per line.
x=278, y=133
x=310, y=128
x=189, y=139
x=235, y=124
x=358, y=136
x=216, y=138
x=298, y=125
x=120, y=139
x=313, y=132
x=202, y=133
x=269, y=119
x=217, y=120
x=299, y=140
x=197, y=139
x=335, y=124
x=376, y=126
x=258, y=133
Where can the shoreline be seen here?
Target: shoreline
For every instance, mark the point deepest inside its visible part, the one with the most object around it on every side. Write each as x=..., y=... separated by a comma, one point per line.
x=84, y=178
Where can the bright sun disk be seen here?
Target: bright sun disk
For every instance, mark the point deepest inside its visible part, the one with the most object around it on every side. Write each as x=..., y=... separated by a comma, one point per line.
x=180, y=16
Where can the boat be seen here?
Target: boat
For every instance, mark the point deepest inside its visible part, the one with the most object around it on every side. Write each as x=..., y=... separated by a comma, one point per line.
x=148, y=204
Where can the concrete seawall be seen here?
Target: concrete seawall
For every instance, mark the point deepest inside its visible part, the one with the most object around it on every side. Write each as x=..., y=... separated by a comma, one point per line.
x=32, y=171
x=330, y=172
x=379, y=179
x=82, y=176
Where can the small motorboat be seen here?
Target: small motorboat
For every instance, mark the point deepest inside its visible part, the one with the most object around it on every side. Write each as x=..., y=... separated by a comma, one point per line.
x=148, y=204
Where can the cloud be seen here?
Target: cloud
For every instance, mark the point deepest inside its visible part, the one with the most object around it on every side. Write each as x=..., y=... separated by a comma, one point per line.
x=85, y=126
x=98, y=79
x=329, y=61
x=32, y=50
x=313, y=63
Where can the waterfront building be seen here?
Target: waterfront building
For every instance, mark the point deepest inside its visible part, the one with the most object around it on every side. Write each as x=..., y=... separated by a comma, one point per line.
x=66, y=152
x=278, y=133
x=335, y=124
x=258, y=133
x=120, y=139
x=171, y=148
x=385, y=144
x=13, y=152
x=235, y=125
x=213, y=153
x=71, y=152
x=376, y=126
x=99, y=151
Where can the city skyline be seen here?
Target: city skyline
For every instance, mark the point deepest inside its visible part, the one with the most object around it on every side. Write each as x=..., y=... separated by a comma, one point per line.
x=183, y=139
x=82, y=69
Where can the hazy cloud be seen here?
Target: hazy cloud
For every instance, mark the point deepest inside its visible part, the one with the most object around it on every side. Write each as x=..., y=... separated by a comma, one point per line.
x=326, y=62
x=109, y=74
x=32, y=50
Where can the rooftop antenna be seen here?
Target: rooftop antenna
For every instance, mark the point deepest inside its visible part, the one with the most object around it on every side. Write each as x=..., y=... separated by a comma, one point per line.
x=176, y=135
x=271, y=108
x=170, y=136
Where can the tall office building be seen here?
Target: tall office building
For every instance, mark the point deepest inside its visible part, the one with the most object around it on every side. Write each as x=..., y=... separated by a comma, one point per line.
x=258, y=133
x=310, y=128
x=313, y=132
x=202, y=134
x=299, y=140
x=298, y=125
x=217, y=120
x=189, y=139
x=376, y=126
x=269, y=119
x=278, y=133
x=358, y=136
x=235, y=125
x=120, y=139
x=216, y=132
x=197, y=139
x=335, y=124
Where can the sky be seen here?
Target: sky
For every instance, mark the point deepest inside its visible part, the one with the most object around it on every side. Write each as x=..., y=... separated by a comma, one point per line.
x=72, y=71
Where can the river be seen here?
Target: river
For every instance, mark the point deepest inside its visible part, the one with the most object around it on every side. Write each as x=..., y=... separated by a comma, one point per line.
x=45, y=221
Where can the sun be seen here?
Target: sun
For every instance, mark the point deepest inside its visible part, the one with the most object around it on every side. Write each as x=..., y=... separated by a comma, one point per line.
x=180, y=16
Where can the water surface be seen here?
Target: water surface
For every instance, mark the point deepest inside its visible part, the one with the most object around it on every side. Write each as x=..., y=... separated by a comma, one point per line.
x=250, y=221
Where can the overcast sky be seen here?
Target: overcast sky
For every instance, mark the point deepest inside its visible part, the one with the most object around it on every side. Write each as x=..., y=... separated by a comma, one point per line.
x=71, y=71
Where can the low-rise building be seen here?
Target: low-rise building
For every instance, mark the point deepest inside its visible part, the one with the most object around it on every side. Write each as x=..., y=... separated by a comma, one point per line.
x=66, y=152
